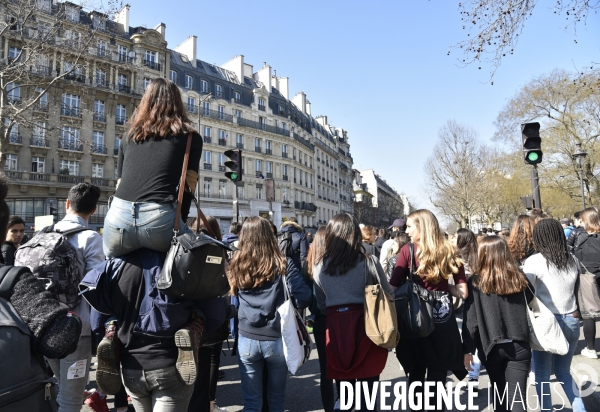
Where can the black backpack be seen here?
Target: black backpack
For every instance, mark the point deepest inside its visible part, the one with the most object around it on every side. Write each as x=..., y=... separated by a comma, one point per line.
x=284, y=239
x=24, y=384
x=53, y=260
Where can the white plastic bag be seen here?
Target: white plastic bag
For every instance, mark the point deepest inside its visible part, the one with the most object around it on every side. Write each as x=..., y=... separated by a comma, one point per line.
x=296, y=340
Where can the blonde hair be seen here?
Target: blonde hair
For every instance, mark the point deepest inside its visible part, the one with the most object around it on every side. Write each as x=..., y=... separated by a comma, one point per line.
x=436, y=255
x=591, y=220
x=367, y=232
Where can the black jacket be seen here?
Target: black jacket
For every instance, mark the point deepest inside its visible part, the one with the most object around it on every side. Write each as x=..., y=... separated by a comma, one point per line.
x=572, y=238
x=299, y=242
x=8, y=254
x=587, y=250
x=257, y=314
x=490, y=318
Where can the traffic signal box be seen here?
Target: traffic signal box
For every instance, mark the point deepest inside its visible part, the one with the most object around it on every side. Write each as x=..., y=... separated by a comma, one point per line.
x=532, y=143
x=234, y=164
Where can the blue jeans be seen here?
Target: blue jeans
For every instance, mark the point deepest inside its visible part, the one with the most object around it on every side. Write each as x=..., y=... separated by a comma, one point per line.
x=252, y=356
x=544, y=362
x=130, y=226
x=159, y=390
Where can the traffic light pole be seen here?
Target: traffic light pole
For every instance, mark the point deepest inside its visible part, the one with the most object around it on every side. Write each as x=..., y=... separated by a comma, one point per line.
x=236, y=206
x=535, y=187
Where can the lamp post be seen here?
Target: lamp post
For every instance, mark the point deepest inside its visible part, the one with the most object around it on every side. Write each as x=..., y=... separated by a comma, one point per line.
x=579, y=155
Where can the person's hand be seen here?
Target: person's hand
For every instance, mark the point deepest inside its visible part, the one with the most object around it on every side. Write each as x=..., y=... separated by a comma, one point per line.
x=468, y=361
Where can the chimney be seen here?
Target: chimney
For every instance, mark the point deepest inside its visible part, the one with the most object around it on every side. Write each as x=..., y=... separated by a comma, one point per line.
x=264, y=76
x=236, y=65
x=188, y=48
x=307, y=111
x=284, y=86
x=122, y=16
x=300, y=101
x=162, y=29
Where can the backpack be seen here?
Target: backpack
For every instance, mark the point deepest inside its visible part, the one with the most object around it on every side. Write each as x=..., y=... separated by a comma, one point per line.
x=53, y=260
x=27, y=387
x=284, y=239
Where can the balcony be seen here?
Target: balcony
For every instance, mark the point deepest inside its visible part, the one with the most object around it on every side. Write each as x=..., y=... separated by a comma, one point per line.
x=303, y=141
x=285, y=177
x=39, y=177
x=207, y=166
x=100, y=82
x=102, y=52
x=222, y=168
x=15, y=138
x=77, y=77
x=269, y=175
x=123, y=88
x=151, y=64
x=215, y=114
x=70, y=179
x=13, y=174
x=261, y=107
x=207, y=139
x=99, y=117
x=284, y=155
x=124, y=58
x=99, y=149
x=269, y=151
x=192, y=109
x=120, y=120
x=218, y=94
x=239, y=145
x=257, y=149
x=39, y=141
x=68, y=144
x=263, y=126
x=98, y=181
x=70, y=111
x=41, y=106
x=222, y=142
x=305, y=206
x=41, y=70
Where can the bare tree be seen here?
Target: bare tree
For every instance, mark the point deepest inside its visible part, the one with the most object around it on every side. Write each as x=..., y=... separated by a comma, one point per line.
x=494, y=26
x=34, y=33
x=453, y=172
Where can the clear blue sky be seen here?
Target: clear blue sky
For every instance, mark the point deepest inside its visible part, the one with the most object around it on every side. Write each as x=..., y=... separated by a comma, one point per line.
x=378, y=69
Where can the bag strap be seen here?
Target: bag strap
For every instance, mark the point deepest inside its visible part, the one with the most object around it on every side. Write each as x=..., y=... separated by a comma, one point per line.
x=368, y=261
x=201, y=215
x=411, y=269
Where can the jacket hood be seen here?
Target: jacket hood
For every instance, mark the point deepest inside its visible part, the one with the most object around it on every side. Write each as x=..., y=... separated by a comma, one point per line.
x=291, y=227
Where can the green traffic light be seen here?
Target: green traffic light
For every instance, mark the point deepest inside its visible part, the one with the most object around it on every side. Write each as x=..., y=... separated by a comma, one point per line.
x=533, y=156
x=233, y=176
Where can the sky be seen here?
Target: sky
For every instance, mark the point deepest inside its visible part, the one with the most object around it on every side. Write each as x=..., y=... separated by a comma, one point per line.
x=378, y=69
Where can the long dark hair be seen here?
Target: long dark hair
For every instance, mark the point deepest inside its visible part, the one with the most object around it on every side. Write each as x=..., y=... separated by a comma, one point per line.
x=466, y=245
x=497, y=272
x=160, y=114
x=316, y=251
x=550, y=241
x=343, y=244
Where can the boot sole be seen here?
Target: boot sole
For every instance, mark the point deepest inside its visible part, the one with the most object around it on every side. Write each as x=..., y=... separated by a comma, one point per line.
x=186, y=364
x=108, y=373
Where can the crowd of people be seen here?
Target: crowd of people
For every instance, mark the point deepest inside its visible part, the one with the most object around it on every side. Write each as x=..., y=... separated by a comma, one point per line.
x=163, y=354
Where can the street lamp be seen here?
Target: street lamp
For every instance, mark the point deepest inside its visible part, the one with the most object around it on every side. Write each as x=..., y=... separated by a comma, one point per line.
x=579, y=155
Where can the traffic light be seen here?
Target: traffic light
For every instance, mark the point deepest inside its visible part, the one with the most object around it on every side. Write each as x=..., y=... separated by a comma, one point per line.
x=532, y=143
x=234, y=164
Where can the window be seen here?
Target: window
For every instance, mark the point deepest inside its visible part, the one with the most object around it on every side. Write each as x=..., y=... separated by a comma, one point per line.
x=70, y=167
x=101, y=78
x=221, y=111
x=283, y=126
x=39, y=132
x=13, y=53
x=14, y=92
x=269, y=167
x=239, y=141
x=206, y=108
x=207, y=131
x=284, y=150
x=173, y=76
x=98, y=170
x=191, y=104
x=207, y=187
x=261, y=104
x=259, y=166
x=222, y=189
x=99, y=106
x=204, y=86
x=189, y=82
x=71, y=105
x=69, y=134
x=101, y=48
x=122, y=79
x=146, y=83
x=11, y=162
x=72, y=14
x=269, y=145
x=42, y=103
x=38, y=164
x=218, y=90
x=121, y=115
x=98, y=138
x=281, y=110
x=222, y=159
x=222, y=138
x=286, y=195
x=150, y=56
x=240, y=192
x=237, y=96
x=259, y=192
x=257, y=144
x=122, y=52
x=285, y=170
x=207, y=157
x=238, y=114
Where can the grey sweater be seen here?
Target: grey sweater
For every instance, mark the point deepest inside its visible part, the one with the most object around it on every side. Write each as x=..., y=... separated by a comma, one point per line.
x=348, y=288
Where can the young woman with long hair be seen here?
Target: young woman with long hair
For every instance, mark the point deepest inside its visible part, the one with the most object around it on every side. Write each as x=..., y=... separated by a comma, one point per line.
x=14, y=236
x=256, y=275
x=466, y=246
x=436, y=261
x=495, y=322
x=587, y=250
x=553, y=273
x=340, y=276
x=142, y=212
x=520, y=241
x=315, y=255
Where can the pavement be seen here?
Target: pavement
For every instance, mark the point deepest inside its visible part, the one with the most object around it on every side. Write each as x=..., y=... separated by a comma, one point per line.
x=302, y=393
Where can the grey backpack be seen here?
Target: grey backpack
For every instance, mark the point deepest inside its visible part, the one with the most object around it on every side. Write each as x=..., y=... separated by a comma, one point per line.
x=24, y=385
x=53, y=260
